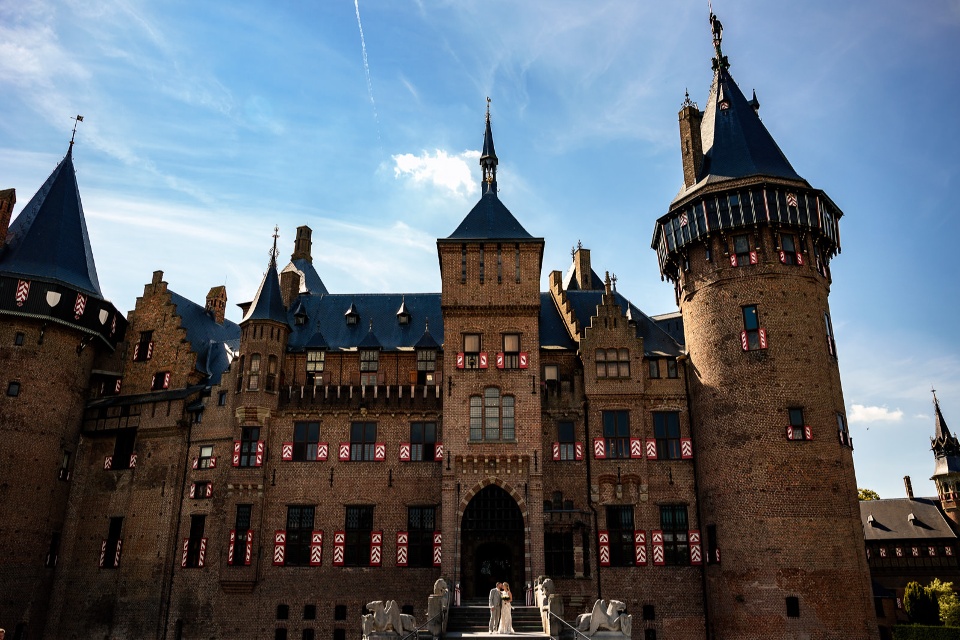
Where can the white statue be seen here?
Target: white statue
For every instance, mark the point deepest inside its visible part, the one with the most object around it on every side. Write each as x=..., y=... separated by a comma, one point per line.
x=606, y=615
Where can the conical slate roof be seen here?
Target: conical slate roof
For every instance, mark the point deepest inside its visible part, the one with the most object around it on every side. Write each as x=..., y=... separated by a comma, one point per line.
x=268, y=303
x=49, y=239
x=945, y=446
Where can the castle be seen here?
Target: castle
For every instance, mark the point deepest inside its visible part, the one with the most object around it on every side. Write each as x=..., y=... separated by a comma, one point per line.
x=171, y=474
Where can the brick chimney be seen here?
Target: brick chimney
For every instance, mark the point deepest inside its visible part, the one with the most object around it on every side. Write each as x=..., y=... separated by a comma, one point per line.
x=909, y=487
x=691, y=145
x=8, y=198
x=583, y=270
x=289, y=285
x=302, y=245
x=217, y=303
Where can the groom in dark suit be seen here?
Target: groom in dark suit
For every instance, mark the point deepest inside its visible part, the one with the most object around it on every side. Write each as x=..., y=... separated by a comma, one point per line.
x=495, y=601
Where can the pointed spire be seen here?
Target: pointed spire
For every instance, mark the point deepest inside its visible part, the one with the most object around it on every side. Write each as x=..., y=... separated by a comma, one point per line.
x=940, y=424
x=488, y=158
x=268, y=303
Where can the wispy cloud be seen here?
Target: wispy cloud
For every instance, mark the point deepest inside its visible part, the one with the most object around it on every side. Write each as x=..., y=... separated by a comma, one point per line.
x=441, y=170
x=861, y=413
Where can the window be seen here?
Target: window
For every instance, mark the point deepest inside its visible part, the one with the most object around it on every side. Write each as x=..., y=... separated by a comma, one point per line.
x=308, y=634
x=143, y=350
x=111, y=549
x=309, y=612
x=551, y=373
x=558, y=553
x=339, y=634
x=369, y=365
x=492, y=416
x=499, y=264
x=673, y=522
x=123, y=449
x=620, y=527
x=565, y=436
x=712, y=549
x=672, y=368
x=299, y=528
x=752, y=337
x=249, y=440
x=253, y=380
x=340, y=612
x=654, y=367
x=516, y=259
x=481, y=264
x=240, y=375
x=359, y=526
x=421, y=523
x=797, y=427
x=272, y=364
x=13, y=389
x=423, y=440
x=280, y=633
x=206, y=455
x=18, y=339
x=362, y=440
x=306, y=436
x=831, y=343
x=200, y=490
x=511, y=351
x=793, y=607
x=649, y=613
x=463, y=264
x=741, y=248
x=315, y=362
x=222, y=399
x=842, y=430
x=242, y=531
x=613, y=363
x=161, y=381
x=788, y=250
x=426, y=366
x=195, y=542
x=649, y=634
x=471, y=351
x=283, y=612
x=616, y=432
x=666, y=429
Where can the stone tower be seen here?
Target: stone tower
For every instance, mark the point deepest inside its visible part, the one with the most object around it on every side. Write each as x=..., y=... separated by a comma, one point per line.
x=747, y=243
x=490, y=273
x=57, y=338
x=946, y=450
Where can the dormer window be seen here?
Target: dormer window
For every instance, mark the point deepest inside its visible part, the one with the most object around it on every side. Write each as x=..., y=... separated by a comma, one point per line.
x=300, y=318
x=352, y=316
x=403, y=316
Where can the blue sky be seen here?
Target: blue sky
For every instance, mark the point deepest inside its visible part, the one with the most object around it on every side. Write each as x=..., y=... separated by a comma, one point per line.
x=207, y=123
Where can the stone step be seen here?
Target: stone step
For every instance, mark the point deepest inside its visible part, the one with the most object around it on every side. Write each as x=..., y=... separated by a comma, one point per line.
x=475, y=619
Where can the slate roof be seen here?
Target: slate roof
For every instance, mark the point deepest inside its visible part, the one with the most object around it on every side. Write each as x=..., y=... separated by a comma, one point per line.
x=656, y=341
x=310, y=281
x=570, y=282
x=553, y=331
x=213, y=343
x=672, y=323
x=490, y=220
x=890, y=519
x=268, y=303
x=945, y=446
x=49, y=239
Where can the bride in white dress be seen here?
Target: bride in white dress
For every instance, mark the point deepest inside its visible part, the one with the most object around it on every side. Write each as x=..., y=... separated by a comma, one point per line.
x=506, y=617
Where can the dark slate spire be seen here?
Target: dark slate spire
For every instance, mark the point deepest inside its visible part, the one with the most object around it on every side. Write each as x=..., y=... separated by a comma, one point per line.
x=736, y=144
x=49, y=239
x=488, y=158
x=944, y=444
x=268, y=303
x=426, y=341
x=370, y=340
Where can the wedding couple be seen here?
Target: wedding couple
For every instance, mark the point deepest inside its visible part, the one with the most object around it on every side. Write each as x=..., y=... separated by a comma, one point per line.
x=501, y=619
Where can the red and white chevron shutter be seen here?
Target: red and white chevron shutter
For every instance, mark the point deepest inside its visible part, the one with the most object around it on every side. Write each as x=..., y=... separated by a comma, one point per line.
x=108, y=463
x=744, y=344
x=103, y=551
x=524, y=360
x=316, y=548
x=604, y=547
x=578, y=450
x=500, y=360
x=686, y=448
x=209, y=489
x=733, y=259
x=166, y=380
x=376, y=548
x=79, y=306
x=651, y=448
x=339, y=542
x=783, y=257
x=116, y=556
x=196, y=463
x=149, y=350
x=203, y=552
x=696, y=552
x=556, y=451
x=133, y=460
x=483, y=360
x=231, y=548
x=640, y=547
x=438, y=452
x=136, y=351
x=898, y=551
x=808, y=432
x=379, y=451
x=259, y=461
x=23, y=292
x=322, y=449
x=716, y=555
x=763, y=338
x=404, y=452
x=403, y=540
x=186, y=549
x=437, y=548
x=657, y=538
x=279, y=547
x=599, y=448
x=344, y=451
x=116, y=387
x=248, y=555
x=236, y=453
x=932, y=551
x=948, y=551
x=636, y=448
x=286, y=451
x=460, y=360
x=753, y=257
x=799, y=258
x=193, y=490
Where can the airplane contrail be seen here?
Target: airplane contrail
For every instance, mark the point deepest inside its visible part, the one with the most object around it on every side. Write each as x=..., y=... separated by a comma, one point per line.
x=366, y=70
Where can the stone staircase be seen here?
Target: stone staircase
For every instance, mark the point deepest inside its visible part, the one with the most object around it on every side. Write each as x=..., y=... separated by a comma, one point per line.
x=470, y=620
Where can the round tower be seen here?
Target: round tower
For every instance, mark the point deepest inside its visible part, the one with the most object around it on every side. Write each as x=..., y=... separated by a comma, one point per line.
x=747, y=243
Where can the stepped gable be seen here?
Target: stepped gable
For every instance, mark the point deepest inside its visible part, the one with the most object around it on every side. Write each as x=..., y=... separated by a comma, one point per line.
x=656, y=341
x=213, y=343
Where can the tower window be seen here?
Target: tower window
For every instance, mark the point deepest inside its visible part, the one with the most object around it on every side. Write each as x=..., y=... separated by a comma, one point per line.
x=471, y=351
x=423, y=441
x=673, y=522
x=831, y=343
x=620, y=526
x=306, y=436
x=616, y=432
x=671, y=368
x=13, y=389
x=242, y=531
x=18, y=339
x=788, y=249
x=426, y=366
x=793, y=607
x=299, y=528
x=753, y=335
x=253, y=380
x=666, y=428
x=517, y=260
x=511, y=351
x=315, y=364
x=358, y=527
x=492, y=416
x=272, y=365
x=463, y=264
x=481, y=264
x=421, y=523
x=363, y=437
x=195, y=542
x=842, y=431
x=797, y=430
x=654, y=367
x=741, y=249
x=249, y=442
x=613, y=363
x=283, y=611
x=222, y=399
x=565, y=436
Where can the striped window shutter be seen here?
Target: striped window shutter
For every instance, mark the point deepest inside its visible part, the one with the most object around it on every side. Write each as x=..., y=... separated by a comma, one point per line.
x=604, y=548
x=213, y=462
x=286, y=451
x=248, y=557
x=636, y=448
x=403, y=541
x=733, y=259
x=524, y=360
x=108, y=463
x=322, y=450
x=556, y=451
x=808, y=432
x=744, y=343
x=186, y=550
x=640, y=547
x=696, y=553
x=203, y=552
x=460, y=360
x=231, y=549
x=599, y=448
x=196, y=463
x=344, y=451
x=193, y=490
x=578, y=450
x=753, y=257
x=404, y=452
x=376, y=548
x=686, y=448
x=651, y=448
x=658, y=555
x=380, y=451
x=437, y=548
x=116, y=556
x=149, y=350
x=799, y=258
x=483, y=360
x=259, y=459
x=339, y=542
x=133, y=460
x=500, y=360
x=103, y=551
x=279, y=547
x=438, y=452
x=316, y=548
x=789, y=432
x=209, y=489
x=236, y=453
x=763, y=338
x=783, y=257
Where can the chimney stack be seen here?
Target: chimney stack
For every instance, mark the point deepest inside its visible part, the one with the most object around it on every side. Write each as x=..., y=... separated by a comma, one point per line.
x=8, y=198
x=909, y=487
x=691, y=144
x=217, y=303
x=583, y=270
x=302, y=245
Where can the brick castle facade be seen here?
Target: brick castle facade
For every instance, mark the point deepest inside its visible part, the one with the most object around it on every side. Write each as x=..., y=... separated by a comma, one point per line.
x=189, y=477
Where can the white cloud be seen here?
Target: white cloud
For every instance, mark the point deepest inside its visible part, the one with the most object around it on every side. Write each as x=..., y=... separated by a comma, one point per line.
x=441, y=170
x=860, y=413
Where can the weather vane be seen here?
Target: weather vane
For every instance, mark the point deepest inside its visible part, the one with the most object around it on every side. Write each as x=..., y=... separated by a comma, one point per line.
x=79, y=118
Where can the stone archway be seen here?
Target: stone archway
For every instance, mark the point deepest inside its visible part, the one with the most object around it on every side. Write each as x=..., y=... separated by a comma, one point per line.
x=491, y=541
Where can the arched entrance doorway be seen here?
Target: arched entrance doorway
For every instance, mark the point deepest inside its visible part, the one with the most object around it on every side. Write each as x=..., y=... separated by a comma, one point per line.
x=491, y=539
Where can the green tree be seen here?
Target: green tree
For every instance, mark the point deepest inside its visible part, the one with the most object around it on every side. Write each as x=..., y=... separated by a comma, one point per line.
x=921, y=605
x=867, y=494
x=949, y=604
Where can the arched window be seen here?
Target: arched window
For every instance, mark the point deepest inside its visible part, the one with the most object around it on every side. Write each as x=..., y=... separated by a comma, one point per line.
x=272, y=373
x=253, y=380
x=240, y=374
x=492, y=416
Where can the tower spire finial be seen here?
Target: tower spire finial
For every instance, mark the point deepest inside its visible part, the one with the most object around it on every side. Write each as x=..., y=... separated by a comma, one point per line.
x=719, y=60
x=79, y=118
x=488, y=158
x=274, y=251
